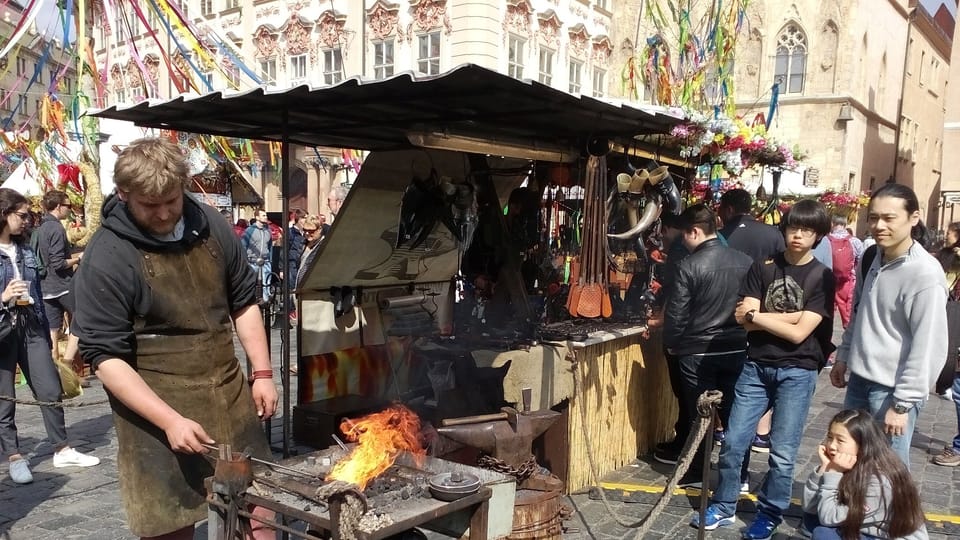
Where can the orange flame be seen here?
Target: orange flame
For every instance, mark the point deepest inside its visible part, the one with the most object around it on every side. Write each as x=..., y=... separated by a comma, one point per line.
x=381, y=437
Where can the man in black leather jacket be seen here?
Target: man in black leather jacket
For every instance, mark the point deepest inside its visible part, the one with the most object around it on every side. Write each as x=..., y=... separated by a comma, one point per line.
x=699, y=325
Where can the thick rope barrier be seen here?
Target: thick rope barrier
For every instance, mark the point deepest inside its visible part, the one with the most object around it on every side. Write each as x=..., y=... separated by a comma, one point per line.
x=74, y=402
x=707, y=404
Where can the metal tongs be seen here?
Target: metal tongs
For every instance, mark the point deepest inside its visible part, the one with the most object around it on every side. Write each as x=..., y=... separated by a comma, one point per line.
x=272, y=465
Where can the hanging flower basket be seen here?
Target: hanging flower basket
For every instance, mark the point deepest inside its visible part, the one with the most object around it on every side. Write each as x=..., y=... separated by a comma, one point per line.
x=844, y=204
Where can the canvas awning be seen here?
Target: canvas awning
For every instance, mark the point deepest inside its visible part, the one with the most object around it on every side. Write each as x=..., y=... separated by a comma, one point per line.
x=380, y=115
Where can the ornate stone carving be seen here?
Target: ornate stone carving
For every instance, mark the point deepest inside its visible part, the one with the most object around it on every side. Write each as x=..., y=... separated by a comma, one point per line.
x=266, y=42
x=230, y=22
x=549, y=28
x=152, y=63
x=517, y=20
x=382, y=19
x=116, y=77
x=297, y=36
x=601, y=50
x=579, y=38
x=180, y=62
x=268, y=11
x=330, y=27
x=428, y=15
x=296, y=6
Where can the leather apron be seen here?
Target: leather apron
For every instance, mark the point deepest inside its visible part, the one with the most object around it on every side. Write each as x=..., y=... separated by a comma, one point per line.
x=185, y=353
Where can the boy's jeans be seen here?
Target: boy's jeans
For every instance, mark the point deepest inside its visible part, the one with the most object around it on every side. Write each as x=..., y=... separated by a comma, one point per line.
x=789, y=390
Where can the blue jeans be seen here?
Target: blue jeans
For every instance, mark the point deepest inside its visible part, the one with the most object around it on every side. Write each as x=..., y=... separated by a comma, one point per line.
x=789, y=391
x=821, y=532
x=263, y=278
x=956, y=401
x=877, y=398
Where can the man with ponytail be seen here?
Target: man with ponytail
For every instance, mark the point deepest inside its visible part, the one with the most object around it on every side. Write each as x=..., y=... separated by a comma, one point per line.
x=894, y=346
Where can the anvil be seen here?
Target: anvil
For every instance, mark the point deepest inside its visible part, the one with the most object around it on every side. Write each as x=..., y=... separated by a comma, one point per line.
x=510, y=440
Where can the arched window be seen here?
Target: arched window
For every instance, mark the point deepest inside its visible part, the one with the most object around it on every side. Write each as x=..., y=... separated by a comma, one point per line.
x=791, y=60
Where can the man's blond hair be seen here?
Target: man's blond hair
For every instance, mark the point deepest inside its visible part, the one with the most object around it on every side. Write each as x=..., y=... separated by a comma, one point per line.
x=151, y=166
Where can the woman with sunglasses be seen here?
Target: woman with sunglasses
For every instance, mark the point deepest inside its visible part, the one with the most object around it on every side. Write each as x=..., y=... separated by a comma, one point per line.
x=28, y=345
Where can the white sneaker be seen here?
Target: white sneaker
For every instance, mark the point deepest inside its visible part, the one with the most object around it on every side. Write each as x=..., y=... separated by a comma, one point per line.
x=745, y=488
x=68, y=457
x=20, y=471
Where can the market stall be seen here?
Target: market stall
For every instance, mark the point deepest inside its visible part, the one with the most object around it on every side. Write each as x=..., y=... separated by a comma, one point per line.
x=435, y=286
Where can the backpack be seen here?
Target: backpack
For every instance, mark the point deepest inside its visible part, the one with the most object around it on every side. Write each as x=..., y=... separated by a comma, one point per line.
x=844, y=259
x=35, y=247
x=866, y=261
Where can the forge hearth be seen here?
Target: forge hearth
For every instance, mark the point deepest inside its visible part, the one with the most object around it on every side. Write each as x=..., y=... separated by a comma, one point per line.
x=396, y=500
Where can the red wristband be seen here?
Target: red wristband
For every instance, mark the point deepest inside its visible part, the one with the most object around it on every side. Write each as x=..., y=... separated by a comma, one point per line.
x=261, y=374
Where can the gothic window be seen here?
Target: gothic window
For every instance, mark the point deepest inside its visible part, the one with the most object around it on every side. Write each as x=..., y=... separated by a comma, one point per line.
x=134, y=25
x=428, y=61
x=791, y=59
x=599, y=82
x=332, y=66
x=298, y=69
x=268, y=71
x=546, y=66
x=120, y=25
x=576, y=72
x=515, y=56
x=383, y=59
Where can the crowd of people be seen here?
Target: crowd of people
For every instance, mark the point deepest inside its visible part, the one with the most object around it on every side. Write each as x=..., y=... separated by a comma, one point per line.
x=163, y=280
x=748, y=310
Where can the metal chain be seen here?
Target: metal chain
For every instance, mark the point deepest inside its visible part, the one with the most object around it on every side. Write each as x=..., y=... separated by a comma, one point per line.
x=68, y=403
x=521, y=473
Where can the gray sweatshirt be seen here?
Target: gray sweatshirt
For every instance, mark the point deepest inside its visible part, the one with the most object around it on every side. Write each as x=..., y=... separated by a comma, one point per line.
x=820, y=498
x=898, y=335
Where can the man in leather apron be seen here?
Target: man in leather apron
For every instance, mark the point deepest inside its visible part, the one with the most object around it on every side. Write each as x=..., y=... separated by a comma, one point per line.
x=163, y=284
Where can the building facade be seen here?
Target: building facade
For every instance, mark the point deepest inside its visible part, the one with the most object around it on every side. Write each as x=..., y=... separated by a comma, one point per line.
x=34, y=66
x=562, y=43
x=862, y=83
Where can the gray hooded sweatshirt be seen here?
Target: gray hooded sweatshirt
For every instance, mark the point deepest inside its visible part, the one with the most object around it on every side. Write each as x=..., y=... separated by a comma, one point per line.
x=820, y=498
x=898, y=335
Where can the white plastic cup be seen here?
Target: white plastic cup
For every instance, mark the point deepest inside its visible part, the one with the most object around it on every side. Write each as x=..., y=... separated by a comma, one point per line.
x=24, y=299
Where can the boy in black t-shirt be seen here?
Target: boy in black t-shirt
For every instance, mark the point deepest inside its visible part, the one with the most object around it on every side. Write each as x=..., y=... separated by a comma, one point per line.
x=787, y=309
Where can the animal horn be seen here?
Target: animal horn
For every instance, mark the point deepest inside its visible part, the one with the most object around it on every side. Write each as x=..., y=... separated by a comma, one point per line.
x=651, y=212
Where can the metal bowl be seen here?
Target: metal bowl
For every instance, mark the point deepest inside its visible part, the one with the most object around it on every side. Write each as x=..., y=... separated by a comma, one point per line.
x=450, y=486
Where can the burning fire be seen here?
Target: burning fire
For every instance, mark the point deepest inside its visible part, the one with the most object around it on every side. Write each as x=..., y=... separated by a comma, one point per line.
x=381, y=437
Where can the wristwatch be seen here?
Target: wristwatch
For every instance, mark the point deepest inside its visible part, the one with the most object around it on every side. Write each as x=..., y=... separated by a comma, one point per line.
x=749, y=315
x=902, y=408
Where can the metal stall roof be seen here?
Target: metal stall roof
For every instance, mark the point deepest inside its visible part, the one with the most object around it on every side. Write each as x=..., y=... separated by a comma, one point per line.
x=378, y=115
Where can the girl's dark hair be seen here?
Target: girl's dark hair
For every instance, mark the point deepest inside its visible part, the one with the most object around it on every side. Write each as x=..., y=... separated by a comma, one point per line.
x=10, y=200
x=955, y=227
x=809, y=214
x=876, y=460
x=910, y=202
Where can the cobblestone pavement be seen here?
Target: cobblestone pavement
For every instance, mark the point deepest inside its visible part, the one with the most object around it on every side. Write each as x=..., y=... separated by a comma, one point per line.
x=85, y=503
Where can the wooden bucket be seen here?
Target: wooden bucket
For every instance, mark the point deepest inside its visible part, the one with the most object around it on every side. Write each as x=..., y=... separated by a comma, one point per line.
x=536, y=515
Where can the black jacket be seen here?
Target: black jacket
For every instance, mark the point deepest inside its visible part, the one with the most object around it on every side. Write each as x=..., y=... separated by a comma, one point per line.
x=111, y=291
x=758, y=240
x=54, y=250
x=698, y=317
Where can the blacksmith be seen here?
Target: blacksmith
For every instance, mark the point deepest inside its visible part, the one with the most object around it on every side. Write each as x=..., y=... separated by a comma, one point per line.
x=163, y=284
